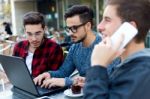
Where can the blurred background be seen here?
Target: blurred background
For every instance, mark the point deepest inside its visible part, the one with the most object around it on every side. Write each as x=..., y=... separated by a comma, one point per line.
x=12, y=11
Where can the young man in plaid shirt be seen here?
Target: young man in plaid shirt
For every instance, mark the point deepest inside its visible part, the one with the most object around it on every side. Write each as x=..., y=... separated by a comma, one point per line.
x=40, y=54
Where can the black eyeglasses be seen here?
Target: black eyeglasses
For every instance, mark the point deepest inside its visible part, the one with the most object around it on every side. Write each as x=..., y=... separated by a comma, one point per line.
x=74, y=28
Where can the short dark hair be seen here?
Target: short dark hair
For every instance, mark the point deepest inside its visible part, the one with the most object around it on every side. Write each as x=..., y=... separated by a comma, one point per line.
x=33, y=18
x=85, y=13
x=137, y=11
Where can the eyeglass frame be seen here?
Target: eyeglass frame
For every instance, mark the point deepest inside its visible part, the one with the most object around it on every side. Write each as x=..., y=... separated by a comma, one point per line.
x=74, y=28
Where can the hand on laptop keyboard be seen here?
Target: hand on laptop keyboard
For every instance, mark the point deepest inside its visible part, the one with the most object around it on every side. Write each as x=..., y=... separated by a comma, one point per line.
x=39, y=79
x=53, y=82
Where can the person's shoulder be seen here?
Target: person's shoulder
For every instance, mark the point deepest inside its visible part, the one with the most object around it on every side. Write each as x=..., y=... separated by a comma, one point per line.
x=49, y=42
x=22, y=42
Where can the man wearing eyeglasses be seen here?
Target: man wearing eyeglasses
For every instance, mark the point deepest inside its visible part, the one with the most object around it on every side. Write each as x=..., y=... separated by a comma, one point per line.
x=41, y=54
x=79, y=23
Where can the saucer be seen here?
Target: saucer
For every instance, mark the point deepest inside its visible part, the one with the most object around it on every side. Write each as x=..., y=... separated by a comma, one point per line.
x=69, y=93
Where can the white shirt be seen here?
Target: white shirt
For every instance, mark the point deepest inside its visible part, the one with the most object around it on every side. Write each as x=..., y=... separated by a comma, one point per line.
x=29, y=59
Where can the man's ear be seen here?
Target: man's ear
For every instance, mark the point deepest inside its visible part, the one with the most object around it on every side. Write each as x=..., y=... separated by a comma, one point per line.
x=88, y=26
x=134, y=24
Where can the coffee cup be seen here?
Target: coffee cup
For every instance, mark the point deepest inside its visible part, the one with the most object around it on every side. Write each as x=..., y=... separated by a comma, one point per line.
x=76, y=89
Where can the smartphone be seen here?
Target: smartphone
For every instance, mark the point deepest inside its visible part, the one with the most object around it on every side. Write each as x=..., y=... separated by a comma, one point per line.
x=129, y=32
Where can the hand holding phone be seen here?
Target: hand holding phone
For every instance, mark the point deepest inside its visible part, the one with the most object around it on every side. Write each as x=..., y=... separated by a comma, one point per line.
x=129, y=32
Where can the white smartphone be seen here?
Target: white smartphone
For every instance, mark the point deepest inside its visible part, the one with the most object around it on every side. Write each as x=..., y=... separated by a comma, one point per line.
x=129, y=32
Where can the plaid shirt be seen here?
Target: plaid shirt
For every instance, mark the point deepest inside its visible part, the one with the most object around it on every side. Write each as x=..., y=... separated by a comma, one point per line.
x=49, y=56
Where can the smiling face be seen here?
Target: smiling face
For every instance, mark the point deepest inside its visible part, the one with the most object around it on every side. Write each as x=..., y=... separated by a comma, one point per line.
x=35, y=34
x=78, y=32
x=110, y=22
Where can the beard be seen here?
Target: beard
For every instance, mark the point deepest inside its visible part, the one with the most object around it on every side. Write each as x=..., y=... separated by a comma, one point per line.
x=81, y=39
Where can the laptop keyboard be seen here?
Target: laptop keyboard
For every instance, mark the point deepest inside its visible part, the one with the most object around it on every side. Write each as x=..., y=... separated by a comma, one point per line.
x=46, y=90
x=42, y=90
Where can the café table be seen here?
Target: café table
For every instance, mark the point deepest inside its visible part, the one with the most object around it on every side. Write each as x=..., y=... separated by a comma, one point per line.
x=59, y=95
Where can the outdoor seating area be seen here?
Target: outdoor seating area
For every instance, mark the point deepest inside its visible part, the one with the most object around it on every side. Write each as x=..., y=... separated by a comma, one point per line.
x=74, y=49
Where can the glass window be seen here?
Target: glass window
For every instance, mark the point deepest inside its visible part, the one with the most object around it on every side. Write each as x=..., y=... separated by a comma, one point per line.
x=97, y=8
x=54, y=10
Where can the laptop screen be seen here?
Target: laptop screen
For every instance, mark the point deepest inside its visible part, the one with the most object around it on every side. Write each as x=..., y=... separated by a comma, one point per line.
x=18, y=73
